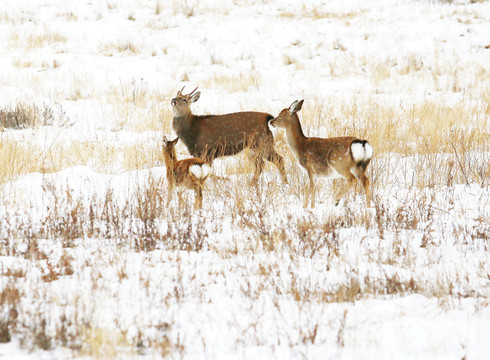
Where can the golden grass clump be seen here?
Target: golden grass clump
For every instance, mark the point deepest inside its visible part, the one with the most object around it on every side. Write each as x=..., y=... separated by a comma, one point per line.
x=35, y=38
x=23, y=62
x=127, y=47
x=25, y=115
x=98, y=155
x=17, y=158
x=138, y=109
x=142, y=156
x=419, y=128
x=103, y=343
x=233, y=83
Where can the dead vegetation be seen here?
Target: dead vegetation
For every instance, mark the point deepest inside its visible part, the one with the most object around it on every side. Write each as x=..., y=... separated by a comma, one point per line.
x=24, y=115
x=294, y=277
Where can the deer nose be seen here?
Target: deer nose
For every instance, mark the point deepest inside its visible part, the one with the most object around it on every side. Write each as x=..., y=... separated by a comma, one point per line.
x=174, y=101
x=273, y=122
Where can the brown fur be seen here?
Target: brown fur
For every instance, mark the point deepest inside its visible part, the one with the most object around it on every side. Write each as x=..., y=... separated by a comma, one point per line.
x=212, y=136
x=179, y=174
x=322, y=157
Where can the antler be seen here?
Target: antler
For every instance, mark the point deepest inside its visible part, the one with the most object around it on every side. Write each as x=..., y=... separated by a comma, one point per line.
x=179, y=93
x=192, y=92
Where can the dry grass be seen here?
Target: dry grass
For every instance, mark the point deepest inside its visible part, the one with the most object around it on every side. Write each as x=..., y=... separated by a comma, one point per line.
x=142, y=223
x=261, y=247
x=26, y=115
x=142, y=156
x=232, y=83
x=33, y=38
x=99, y=156
x=422, y=128
x=315, y=13
x=124, y=47
x=104, y=344
x=428, y=130
x=18, y=159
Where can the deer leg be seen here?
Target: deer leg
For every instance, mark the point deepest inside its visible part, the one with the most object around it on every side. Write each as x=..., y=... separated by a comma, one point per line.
x=310, y=192
x=170, y=192
x=278, y=161
x=367, y=189
x=179, y=195
x=350, y=182
x=259, y=166
x=198, y=201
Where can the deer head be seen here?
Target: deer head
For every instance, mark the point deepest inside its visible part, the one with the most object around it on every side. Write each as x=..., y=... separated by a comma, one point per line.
x=169, y=147
x=285, y=116
x=181, y=104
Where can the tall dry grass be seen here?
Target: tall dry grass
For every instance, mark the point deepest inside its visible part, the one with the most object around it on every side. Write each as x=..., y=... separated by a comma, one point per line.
x=445, y=141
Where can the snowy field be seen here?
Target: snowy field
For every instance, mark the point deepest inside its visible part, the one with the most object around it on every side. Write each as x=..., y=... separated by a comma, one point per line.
x=93, y=264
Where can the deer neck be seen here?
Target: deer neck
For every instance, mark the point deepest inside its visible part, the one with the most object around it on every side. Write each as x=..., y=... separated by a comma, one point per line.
x=182, y=122
x=295, y=135
x=170, y=160
x=183, y=127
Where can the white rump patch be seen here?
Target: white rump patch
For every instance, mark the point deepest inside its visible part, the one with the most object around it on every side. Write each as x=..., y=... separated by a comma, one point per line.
x=196, y=170
x=200, y=171
x=369, y=151
x=206, y=170
x=361, y=151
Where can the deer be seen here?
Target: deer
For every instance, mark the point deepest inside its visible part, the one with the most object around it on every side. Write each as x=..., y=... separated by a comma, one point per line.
x=212, y=136
x=337, y=157
x=190, y=173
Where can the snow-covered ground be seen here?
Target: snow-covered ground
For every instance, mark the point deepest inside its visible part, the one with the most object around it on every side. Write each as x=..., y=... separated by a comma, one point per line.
x=94, y=265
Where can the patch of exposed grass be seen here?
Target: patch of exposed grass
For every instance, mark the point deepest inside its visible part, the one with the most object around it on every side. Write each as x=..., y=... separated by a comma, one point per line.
x=233, y=83
x=127, y=47
x=422, y=128
x=25, y=115
x=35, y=38
x=17, y=158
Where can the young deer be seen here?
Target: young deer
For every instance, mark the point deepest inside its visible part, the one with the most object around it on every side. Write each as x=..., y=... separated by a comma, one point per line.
x=346, y=157
x=189, y=173
x=211, y=136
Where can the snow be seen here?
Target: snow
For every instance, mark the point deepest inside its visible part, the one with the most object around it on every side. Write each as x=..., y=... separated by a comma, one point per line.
x=253, y=274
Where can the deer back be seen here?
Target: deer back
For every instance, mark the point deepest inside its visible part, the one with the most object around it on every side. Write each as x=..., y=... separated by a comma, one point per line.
x=212, y=136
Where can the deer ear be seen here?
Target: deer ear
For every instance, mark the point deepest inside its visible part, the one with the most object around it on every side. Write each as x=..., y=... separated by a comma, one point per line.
x=174, y=141
x=195, y=96
x=165, y=141
x=295, y=106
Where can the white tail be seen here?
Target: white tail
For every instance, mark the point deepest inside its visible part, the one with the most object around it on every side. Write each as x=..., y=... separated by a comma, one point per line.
x=361, y=150
x=211, y=136
x=346, y=157
x=190, y=173
x=200, y=171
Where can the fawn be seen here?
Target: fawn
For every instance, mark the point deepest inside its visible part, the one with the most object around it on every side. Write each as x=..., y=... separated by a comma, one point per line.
x=189, y=173
x=346, y=157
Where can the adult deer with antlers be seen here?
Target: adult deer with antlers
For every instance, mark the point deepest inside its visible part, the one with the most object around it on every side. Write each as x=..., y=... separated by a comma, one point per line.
x=346, y=157
x=211, y=136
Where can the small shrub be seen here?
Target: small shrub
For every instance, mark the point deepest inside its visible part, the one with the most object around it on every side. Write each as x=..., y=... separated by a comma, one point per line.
x=26, y=115
x=9, y=300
